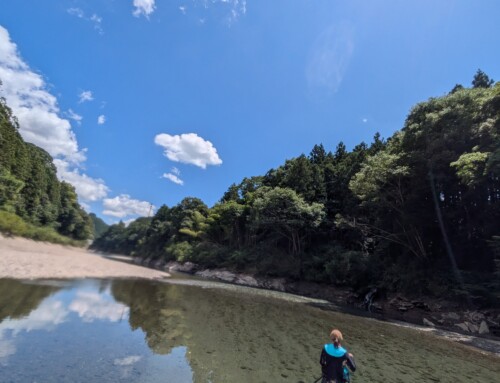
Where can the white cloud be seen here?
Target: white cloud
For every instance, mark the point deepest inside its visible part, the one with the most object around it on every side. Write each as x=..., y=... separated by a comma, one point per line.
x=47, y=316
x=122, y=206
x=175, y=171
x=35, y=108
x=172, y=177
x=101, y=119
x=94, y=19
x=74, y=116
x=365, y=120
x=76, y=12
x=85, y=95
x=87, y=188
x=85, y=206
x=127, y=361
x=144, y=7
x=128, y=221
x=91, y=305
x=330, y=57
x=189, y=149
x=229, y=10
x=39, y=121
x=238, y=7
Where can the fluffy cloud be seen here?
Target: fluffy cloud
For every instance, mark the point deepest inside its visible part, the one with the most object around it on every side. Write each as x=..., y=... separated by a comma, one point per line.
x=189, y=149
x=101, y=119
x=122, y=206
x=47, y=316
x=144, y=7
x=91, y=305
x=330, y=57
x=39, y=120
x=87, y=188
x=36, y=109
x=86, y=95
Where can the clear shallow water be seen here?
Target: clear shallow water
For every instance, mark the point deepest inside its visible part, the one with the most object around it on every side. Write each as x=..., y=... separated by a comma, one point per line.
x=191, y=331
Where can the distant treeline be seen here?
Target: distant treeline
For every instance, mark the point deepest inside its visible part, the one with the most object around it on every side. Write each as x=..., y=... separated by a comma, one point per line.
x=417, y=212
x=33, y=202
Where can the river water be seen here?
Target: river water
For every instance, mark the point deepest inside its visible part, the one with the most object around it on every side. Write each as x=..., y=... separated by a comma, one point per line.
x=196, y=331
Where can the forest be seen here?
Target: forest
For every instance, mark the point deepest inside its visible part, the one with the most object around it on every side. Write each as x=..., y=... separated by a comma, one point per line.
x=33, y=202
x=418, y=212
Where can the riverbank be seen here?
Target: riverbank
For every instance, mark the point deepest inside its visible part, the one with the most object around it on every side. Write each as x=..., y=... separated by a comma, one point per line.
x=435, y=315
x=22, y=258
x=26, y=259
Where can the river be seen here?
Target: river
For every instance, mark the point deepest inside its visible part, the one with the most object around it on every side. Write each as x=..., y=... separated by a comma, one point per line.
x=186, y=330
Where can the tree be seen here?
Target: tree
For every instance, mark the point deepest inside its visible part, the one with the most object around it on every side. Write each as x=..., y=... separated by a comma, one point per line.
x=481, y=80
x=456, y=88
x=283, y=211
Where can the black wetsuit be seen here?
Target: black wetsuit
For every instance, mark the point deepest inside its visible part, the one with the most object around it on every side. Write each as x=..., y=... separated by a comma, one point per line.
x=332, y=360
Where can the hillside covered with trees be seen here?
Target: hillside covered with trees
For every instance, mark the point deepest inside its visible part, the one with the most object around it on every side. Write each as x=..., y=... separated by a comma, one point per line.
x=33, y=202
x=418, y=212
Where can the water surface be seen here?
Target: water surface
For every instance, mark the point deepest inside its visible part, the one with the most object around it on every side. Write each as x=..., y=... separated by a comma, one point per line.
x=192, y=331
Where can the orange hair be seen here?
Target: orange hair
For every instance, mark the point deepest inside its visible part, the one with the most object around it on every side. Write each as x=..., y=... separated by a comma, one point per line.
x=336, y=336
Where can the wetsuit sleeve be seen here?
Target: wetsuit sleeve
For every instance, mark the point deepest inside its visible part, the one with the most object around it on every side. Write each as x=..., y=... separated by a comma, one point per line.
x=322, y=361
x=350, y=362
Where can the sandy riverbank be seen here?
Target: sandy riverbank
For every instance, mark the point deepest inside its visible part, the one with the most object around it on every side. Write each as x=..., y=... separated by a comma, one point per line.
x=26, y=259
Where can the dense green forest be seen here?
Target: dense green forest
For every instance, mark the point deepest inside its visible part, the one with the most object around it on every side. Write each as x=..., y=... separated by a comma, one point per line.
x=418, y=212
x=33, y=202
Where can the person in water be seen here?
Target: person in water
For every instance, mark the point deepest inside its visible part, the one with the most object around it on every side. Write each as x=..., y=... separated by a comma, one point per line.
x=335, y=359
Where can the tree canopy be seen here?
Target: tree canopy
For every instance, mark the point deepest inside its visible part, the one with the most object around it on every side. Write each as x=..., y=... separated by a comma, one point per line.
x=384, y=213
x=29, y=187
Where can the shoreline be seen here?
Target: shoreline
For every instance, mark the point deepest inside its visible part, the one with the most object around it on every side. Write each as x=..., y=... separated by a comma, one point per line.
x=25, y=259
x=442, y=318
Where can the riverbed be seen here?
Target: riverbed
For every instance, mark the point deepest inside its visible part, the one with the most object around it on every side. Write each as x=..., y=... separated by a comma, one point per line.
x=185, y=330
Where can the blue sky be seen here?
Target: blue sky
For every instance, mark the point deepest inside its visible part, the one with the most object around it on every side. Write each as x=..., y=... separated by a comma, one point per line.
x=146, y=102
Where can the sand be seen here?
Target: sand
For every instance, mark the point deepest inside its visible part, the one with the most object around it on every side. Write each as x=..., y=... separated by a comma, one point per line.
x=26, y=259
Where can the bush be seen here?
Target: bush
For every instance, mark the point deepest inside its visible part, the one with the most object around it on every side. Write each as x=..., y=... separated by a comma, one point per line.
x=180, y=251
x=12, y=224
x=347, y=267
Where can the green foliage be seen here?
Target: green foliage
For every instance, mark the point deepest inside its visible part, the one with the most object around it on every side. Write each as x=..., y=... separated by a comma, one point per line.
x=98, y=224
x=29, y=186
x=12, y=224
x=380, y=178
x=9, y=190
x=379, y=214
x=284, y=212
x=470, y=167
x=481, y=80
x=180, y=251
x=346, y=267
